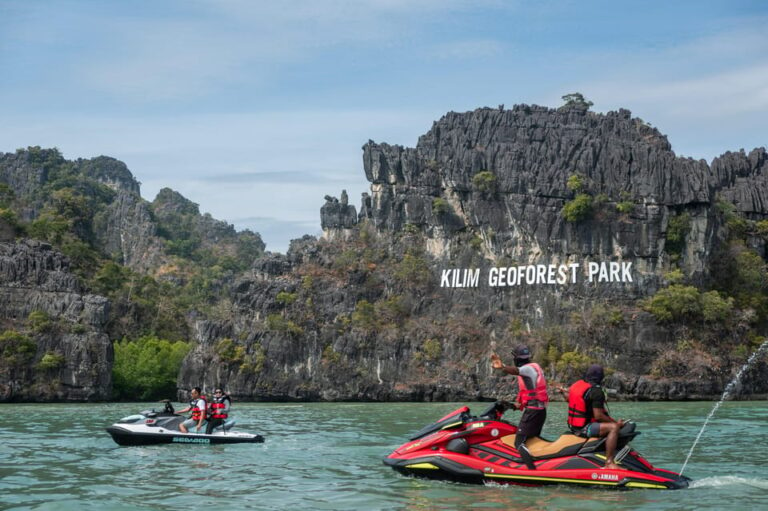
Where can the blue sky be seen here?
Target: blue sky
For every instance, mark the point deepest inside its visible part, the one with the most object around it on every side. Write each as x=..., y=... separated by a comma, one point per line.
x=257, y=110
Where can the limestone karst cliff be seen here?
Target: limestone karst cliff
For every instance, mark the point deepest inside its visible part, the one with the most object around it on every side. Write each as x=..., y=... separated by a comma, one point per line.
x=76, y=236
x=380, y=308
x=54, y=346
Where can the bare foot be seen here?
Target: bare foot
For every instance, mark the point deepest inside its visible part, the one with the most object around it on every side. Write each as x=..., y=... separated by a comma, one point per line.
x=611, y=466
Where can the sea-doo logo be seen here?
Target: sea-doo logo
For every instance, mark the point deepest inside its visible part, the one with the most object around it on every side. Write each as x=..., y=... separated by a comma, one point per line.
x=605, y=477
x=185, y=440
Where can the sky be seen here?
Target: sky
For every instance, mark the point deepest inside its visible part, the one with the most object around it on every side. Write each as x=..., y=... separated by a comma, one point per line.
x=256, y=110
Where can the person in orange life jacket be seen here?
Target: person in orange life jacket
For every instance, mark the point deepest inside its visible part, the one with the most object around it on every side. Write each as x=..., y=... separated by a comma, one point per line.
x=532, y=397
x=588, y=415
x=219, y=410
x=197, y=406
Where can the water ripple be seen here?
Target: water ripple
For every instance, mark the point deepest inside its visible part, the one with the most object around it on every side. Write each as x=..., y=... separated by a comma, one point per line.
x=328, y=456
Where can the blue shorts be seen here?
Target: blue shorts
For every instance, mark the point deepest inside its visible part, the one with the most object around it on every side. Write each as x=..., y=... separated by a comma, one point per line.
x=591, y=430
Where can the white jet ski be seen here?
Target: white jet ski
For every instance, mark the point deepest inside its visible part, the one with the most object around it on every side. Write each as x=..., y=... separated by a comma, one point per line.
x=150, y=427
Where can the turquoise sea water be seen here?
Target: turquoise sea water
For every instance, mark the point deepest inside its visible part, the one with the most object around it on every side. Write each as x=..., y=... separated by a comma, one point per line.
x=328, y=456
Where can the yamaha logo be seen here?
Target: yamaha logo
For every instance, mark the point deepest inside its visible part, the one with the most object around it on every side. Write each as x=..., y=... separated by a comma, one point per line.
x=605, y=477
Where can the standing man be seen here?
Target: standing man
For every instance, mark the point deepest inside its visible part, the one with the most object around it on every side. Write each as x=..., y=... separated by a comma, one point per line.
x=531, y=396
x=197, y=407
x=588, y=415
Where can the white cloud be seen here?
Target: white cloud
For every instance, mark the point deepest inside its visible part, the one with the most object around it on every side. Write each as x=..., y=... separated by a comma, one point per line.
x=711, y=96
x=704, y=94
x=156, y=59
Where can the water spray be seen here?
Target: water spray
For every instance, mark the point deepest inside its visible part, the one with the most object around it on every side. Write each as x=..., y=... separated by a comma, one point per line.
x=726, y=393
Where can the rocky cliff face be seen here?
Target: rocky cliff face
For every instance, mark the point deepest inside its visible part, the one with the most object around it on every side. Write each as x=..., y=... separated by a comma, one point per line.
x=126, y=229
x=158, y=262
x=742, y=180
x=529, y=153
x=54, y=346
x=388, y=306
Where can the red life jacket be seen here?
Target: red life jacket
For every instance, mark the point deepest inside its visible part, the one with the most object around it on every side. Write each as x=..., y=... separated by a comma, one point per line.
x=577, y=404
x=197, y=412
x=538, y=395
x=218, y=408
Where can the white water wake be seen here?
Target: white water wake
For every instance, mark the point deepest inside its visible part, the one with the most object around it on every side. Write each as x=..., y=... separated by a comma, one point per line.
x=721, y=481
x=726, y=393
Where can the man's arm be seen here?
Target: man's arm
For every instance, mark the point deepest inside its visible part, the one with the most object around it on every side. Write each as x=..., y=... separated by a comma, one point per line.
x=598, y=408
x=600, y=415
x=498, y=365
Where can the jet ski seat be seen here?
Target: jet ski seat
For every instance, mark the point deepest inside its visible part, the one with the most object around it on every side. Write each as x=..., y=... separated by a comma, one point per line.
x=565, y=445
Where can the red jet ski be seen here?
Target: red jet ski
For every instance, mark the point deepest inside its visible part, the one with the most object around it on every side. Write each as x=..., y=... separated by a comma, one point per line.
x=468, y=449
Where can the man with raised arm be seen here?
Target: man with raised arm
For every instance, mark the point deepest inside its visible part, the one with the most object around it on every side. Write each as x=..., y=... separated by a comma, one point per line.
x=531, y=397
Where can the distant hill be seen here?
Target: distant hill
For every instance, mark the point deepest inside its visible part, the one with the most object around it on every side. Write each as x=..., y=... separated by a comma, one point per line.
x=155, y=264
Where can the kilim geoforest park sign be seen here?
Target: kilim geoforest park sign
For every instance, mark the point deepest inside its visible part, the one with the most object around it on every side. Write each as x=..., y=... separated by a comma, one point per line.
x=538, y=274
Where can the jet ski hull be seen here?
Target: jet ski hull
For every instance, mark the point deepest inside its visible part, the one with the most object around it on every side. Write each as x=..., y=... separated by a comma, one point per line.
x=463, y=469
x=127, y=436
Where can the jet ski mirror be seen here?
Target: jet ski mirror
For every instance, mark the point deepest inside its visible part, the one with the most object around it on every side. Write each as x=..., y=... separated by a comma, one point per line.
x=168, y=407
x=497, y=409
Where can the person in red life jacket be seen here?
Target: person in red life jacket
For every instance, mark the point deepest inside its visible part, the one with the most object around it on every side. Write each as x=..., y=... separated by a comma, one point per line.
x=532, y=397
x=218, y=411
x=588, y=414
x=197, y=406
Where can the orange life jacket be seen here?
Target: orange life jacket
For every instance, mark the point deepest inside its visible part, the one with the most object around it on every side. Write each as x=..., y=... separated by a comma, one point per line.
x=197, y=412
x=538, y=395
x=218, y=408
x=577, y=404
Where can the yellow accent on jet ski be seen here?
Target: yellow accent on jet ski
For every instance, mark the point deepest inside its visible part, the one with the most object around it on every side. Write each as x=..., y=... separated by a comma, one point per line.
x=451, y=425
x=555, y=479
x=645, y=485
x=423, y=465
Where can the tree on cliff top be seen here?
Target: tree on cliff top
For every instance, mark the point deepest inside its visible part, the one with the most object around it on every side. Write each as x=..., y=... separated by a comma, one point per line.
x=577, y=100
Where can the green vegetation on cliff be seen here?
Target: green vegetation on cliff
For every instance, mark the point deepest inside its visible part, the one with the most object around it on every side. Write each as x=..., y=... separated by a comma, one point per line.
x=147, y=368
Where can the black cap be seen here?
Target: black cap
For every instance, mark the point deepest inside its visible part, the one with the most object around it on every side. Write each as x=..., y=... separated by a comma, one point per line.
x=522, y=352
x=594, y=374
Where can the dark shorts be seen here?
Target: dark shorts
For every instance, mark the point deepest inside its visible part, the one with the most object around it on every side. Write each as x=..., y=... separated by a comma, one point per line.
x=591, y=430
x=211, y=424
x=531, y=422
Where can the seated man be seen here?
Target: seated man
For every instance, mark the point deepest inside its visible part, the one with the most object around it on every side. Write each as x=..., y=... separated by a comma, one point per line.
x=588, y=415
x=197, y=407
x=220, y=405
